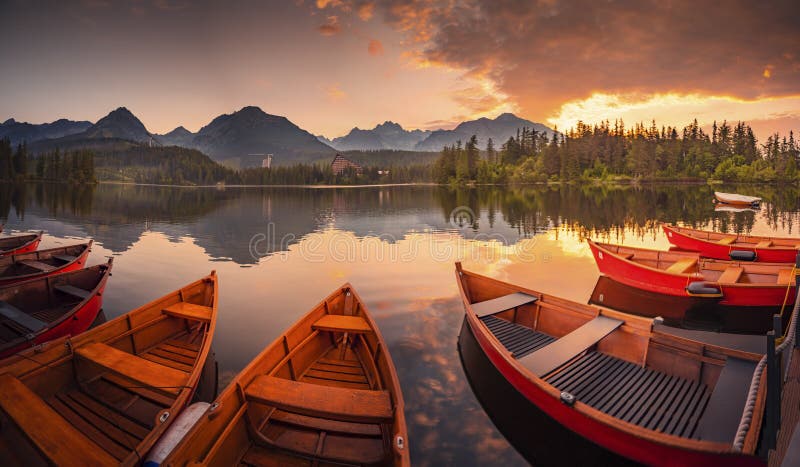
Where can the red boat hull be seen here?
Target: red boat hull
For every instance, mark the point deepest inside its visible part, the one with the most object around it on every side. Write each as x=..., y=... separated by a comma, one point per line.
x=28, y=247
x=659, y=281
x=605, y=436
x=715, y=250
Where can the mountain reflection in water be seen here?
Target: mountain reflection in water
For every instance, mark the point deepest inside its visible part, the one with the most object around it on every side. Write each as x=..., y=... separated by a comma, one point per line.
x=280, y=250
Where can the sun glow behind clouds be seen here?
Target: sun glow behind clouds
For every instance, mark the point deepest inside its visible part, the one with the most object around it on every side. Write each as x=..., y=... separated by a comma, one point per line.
x=671, y=109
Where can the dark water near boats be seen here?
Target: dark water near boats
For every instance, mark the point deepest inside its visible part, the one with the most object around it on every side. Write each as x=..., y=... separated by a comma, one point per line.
x=278, y=251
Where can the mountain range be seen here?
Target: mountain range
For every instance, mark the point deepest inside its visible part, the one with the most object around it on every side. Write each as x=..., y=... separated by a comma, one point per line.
x=240, y=139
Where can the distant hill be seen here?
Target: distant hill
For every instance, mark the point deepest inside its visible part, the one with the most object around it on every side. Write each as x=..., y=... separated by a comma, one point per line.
x=387, y=135
x=120, y=123
x=252, y=131
x=499, y=129
x=178, y=137
x=19, y=132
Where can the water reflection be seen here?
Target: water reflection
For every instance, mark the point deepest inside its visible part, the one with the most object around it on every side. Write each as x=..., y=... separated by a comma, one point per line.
x=396, y=245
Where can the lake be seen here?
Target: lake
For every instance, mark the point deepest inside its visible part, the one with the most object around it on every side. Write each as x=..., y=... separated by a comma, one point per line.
x=278, y=251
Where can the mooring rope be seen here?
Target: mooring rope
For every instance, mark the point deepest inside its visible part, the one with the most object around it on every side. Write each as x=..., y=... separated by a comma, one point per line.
x=755, y=383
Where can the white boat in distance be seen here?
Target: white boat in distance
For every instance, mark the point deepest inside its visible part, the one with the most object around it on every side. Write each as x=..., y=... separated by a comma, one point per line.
x=733, y=198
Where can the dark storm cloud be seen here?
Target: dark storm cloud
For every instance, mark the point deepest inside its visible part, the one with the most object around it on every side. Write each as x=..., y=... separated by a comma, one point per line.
x=547, y=52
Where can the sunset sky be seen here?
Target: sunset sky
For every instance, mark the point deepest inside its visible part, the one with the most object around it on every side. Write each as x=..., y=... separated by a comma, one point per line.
x=329, y=65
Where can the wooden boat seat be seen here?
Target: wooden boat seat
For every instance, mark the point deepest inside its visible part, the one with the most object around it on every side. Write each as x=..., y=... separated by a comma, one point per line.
x=506, y=302
x=189, y=311
x=341, y=323
x=65, y=258
x=518, y=339
x=764, y=244
x=133, y=367
x=324, y=424
x=343, y=404
x=785, y=277
x=682, y=266
x=53, y=436
x=730, y=275
x=44, y=267
x=74, y=291
x=726, y=240
x=559, y=352
x=724, y=410
x=18, y=316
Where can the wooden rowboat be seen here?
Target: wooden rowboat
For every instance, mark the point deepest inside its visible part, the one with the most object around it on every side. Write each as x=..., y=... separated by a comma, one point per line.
x=39, y=310
x=682, y=274
x=19, y=243
x=737, y=199
x=602, y=387
x=24, y=266
x=325, y=392
x=732, y=246
x=104, y=397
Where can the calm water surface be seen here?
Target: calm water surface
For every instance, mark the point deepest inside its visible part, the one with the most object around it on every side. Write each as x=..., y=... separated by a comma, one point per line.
x=278, y=251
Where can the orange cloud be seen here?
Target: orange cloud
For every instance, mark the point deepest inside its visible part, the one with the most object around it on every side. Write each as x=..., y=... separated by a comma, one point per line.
x=335, y=92
x=375, y=47
x=330, y=27
x=365, y=10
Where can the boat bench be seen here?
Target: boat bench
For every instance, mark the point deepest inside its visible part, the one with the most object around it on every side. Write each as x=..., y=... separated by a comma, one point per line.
x=682, y=265
x=506, y=302
x=785, y=277
x=18, y=316
x=724, y=410
x=569, y=346
x=65, y=258
x=53, y=436
x=726, y=240
x=74, y=291
x=44, y=267
x=341, y=323
x=343, y=404
x=730, y=275
x=136, y=368
x=189, y=311
x=764, y=244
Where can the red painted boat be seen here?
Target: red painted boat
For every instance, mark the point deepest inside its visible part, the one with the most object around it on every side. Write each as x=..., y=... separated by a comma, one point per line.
x=39, y=310
x=41, y=263
x=619, y=388
x=677, y=273
x=19, y=243
x=725, y=246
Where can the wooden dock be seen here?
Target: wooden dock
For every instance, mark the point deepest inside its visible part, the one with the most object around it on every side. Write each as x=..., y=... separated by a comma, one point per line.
x=787, y=450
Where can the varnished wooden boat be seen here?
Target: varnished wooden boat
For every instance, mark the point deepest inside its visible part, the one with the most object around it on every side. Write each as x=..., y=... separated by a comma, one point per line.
x=732, y=246
x=105, y=396
x=681, y=274
x=25, y=266
x=736, y=199
x=39, y=310
x=19, y=243
x=324, y=393
x=601, y=386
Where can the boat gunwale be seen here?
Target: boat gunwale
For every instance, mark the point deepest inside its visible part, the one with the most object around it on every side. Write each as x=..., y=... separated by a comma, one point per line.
x=15, y=280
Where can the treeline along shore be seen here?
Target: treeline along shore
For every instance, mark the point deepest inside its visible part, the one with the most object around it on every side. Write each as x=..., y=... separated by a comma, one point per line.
x=598, y=153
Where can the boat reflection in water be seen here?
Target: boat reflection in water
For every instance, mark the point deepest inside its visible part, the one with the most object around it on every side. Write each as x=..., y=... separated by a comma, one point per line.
x=702, y=313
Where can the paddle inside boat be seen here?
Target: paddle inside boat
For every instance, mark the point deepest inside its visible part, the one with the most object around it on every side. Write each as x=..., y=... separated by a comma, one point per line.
x=325, y=392
x=610, y=381
x=682, y=273
x=25, y=266
x=732, y=246
x=19, y=243
x=104, y=397
x=39, y=310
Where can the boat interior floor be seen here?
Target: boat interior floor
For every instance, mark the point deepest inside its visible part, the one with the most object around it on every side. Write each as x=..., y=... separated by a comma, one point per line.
x=117, y=413
x=11, y=330
x=296, y=437
x=645, y=397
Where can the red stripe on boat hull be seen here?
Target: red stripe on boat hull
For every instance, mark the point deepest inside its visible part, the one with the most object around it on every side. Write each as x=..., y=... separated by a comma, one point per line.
x=609, y=438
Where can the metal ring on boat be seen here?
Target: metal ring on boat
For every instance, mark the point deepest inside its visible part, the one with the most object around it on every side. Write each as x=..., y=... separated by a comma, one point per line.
x=163, y=417
x=567, y=398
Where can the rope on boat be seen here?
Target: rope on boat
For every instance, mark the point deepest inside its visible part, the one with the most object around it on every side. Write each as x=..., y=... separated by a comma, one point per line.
x=755, y=383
